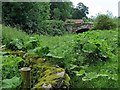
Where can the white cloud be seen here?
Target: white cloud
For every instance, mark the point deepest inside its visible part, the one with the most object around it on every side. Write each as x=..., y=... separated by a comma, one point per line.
x=96, y=6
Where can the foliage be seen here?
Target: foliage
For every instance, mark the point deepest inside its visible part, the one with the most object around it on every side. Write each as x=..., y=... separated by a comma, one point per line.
x=58, y=44
x=10, y=34
x=10, y=71
x=10, y=66
x=15, y=44
x=11, y=83
x=56, y=14
x=104, y=22
x=39, y=51
x=32, y=43
x=95, y=56
x=29, y=16
x=54, y=27
x=60, y=10
x=98, y=49
x=89, y=58
x=80, y=11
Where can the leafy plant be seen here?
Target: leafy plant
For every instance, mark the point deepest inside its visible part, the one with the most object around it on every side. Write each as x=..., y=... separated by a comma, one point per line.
x=11, y=83
x=15, y=44
x=31, y=43
x=40, y=51
x=97, y=49
x=10, y=66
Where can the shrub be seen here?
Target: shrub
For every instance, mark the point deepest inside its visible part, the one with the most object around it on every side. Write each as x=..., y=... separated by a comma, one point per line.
x=103, y=22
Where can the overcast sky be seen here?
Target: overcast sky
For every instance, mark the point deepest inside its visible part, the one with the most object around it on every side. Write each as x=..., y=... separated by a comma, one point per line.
x=99, y=6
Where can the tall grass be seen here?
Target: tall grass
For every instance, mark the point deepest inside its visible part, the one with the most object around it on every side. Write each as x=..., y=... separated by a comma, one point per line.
x=58, y=44
x=9, y=34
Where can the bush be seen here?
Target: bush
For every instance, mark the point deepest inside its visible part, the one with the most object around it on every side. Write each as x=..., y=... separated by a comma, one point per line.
x=103, y=22
x=54, y=27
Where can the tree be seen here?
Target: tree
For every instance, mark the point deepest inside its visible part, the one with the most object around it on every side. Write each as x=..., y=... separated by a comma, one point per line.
x=29, y=16
x=56, y=14
x=104, y=22
x=61, y=10
x=80, y=11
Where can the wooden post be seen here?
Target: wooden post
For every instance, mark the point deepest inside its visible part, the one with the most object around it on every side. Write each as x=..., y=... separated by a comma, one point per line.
x=25, y=74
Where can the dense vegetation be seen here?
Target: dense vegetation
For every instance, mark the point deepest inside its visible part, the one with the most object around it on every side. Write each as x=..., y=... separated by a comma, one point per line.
x=27, y=16
x=104, y=22
x=90, y=63
x=34, y=35
x=37, y=17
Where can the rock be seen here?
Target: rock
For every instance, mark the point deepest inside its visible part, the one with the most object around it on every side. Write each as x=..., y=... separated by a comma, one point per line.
x=47, y=87
x=61, y=74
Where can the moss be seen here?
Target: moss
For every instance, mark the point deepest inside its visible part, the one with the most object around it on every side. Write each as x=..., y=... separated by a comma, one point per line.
x=49, y=77
x=67, y=79
x=52, y=79
x=16, y=53
x=44, y=72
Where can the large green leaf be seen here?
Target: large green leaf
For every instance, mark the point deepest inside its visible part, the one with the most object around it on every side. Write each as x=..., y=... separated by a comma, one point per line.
x=89, y=47
x=81, y=72
x=90, y=76
x=11, y=83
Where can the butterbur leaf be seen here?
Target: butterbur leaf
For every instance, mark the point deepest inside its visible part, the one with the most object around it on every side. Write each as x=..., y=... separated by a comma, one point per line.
x=11, y=83
x=73, y=67
x=90, y=76
x=81, y=72
x=103, y=74
x=115, y=77
x=89, y=48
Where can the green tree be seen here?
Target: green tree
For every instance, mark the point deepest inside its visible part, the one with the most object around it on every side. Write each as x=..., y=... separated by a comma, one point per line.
x=103, y=22
x=80, y=11
x=29, y=16
x=61, y=10
x=56, y=14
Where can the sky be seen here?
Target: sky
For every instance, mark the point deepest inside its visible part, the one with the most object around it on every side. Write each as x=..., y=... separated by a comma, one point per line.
x=99, y=6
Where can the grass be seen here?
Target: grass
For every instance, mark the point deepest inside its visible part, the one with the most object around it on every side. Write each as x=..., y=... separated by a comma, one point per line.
x=9, y=34
x=58, y=44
